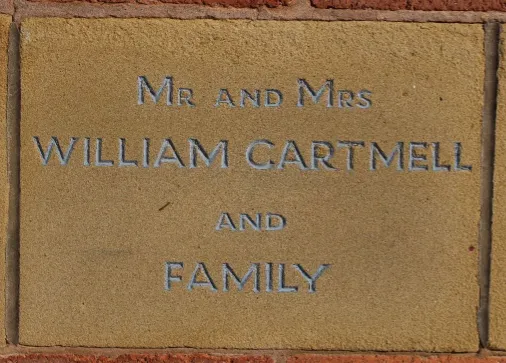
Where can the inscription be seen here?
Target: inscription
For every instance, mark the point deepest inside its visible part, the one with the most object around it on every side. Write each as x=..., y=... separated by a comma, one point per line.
x=404, y=156
x=261, y=154
x=259, y=277
x=272, y=222
x=269, y=97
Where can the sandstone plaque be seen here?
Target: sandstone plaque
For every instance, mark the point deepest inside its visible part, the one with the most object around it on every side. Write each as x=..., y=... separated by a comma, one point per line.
x=306, y=185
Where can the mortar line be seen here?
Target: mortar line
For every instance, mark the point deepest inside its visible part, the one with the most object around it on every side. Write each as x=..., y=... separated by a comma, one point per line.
x=13, y=160
x=281, y=355
x=26, y=8
x=488, y=140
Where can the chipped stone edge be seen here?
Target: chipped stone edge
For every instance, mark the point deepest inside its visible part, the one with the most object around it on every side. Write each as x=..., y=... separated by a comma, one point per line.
x=490, y=87
x=13, y=152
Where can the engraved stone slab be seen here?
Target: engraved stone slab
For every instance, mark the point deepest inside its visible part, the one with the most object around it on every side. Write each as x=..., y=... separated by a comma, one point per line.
x=497, y=335
x=5, y=22
x=250, y=184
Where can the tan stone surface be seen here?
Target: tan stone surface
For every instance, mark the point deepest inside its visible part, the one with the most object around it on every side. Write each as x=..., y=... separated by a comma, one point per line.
x=5, y=22
x=497, y=334
x=401, y=244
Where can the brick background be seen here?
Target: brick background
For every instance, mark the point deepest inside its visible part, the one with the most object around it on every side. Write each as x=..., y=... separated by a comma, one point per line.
x=425, y=5
x=422, y=5
x=313, y=358
x=125, y=358
x=210, y=358
x=234, y=3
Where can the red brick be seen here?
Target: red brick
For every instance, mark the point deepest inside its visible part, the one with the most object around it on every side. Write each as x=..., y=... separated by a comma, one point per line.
x=207, y=358
x=361, y=4
x=452, y=5
x=459, y=5
x=311, y=358
x=127, y=358
x=228, y=3
x=233, y=3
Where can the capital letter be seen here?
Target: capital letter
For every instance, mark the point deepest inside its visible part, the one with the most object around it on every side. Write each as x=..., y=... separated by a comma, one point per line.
x=253, y=271
x=168, y=144
x=208, y=281
x=458, y=159
x=249, y=155
x=387, y=160
x=273, y=93
x=414, y=156
x=311, y=280
x=315, y=96
x=275, y=227
x=197, y=149
x=143, y=84
x=225, y=222
x=169, y=266
x=227, y=100
x=64, y=158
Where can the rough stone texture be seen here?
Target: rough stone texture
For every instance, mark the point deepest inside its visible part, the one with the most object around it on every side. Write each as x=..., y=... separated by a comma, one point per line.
x=205, y=358
x=6, y=6
x=231, y=3
x=361, y=4
x=94, y=240
x=5, y=22
x=28, y=9
x=311, y=358
x=127, y=358
x=426, y=5
x=497, y=335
